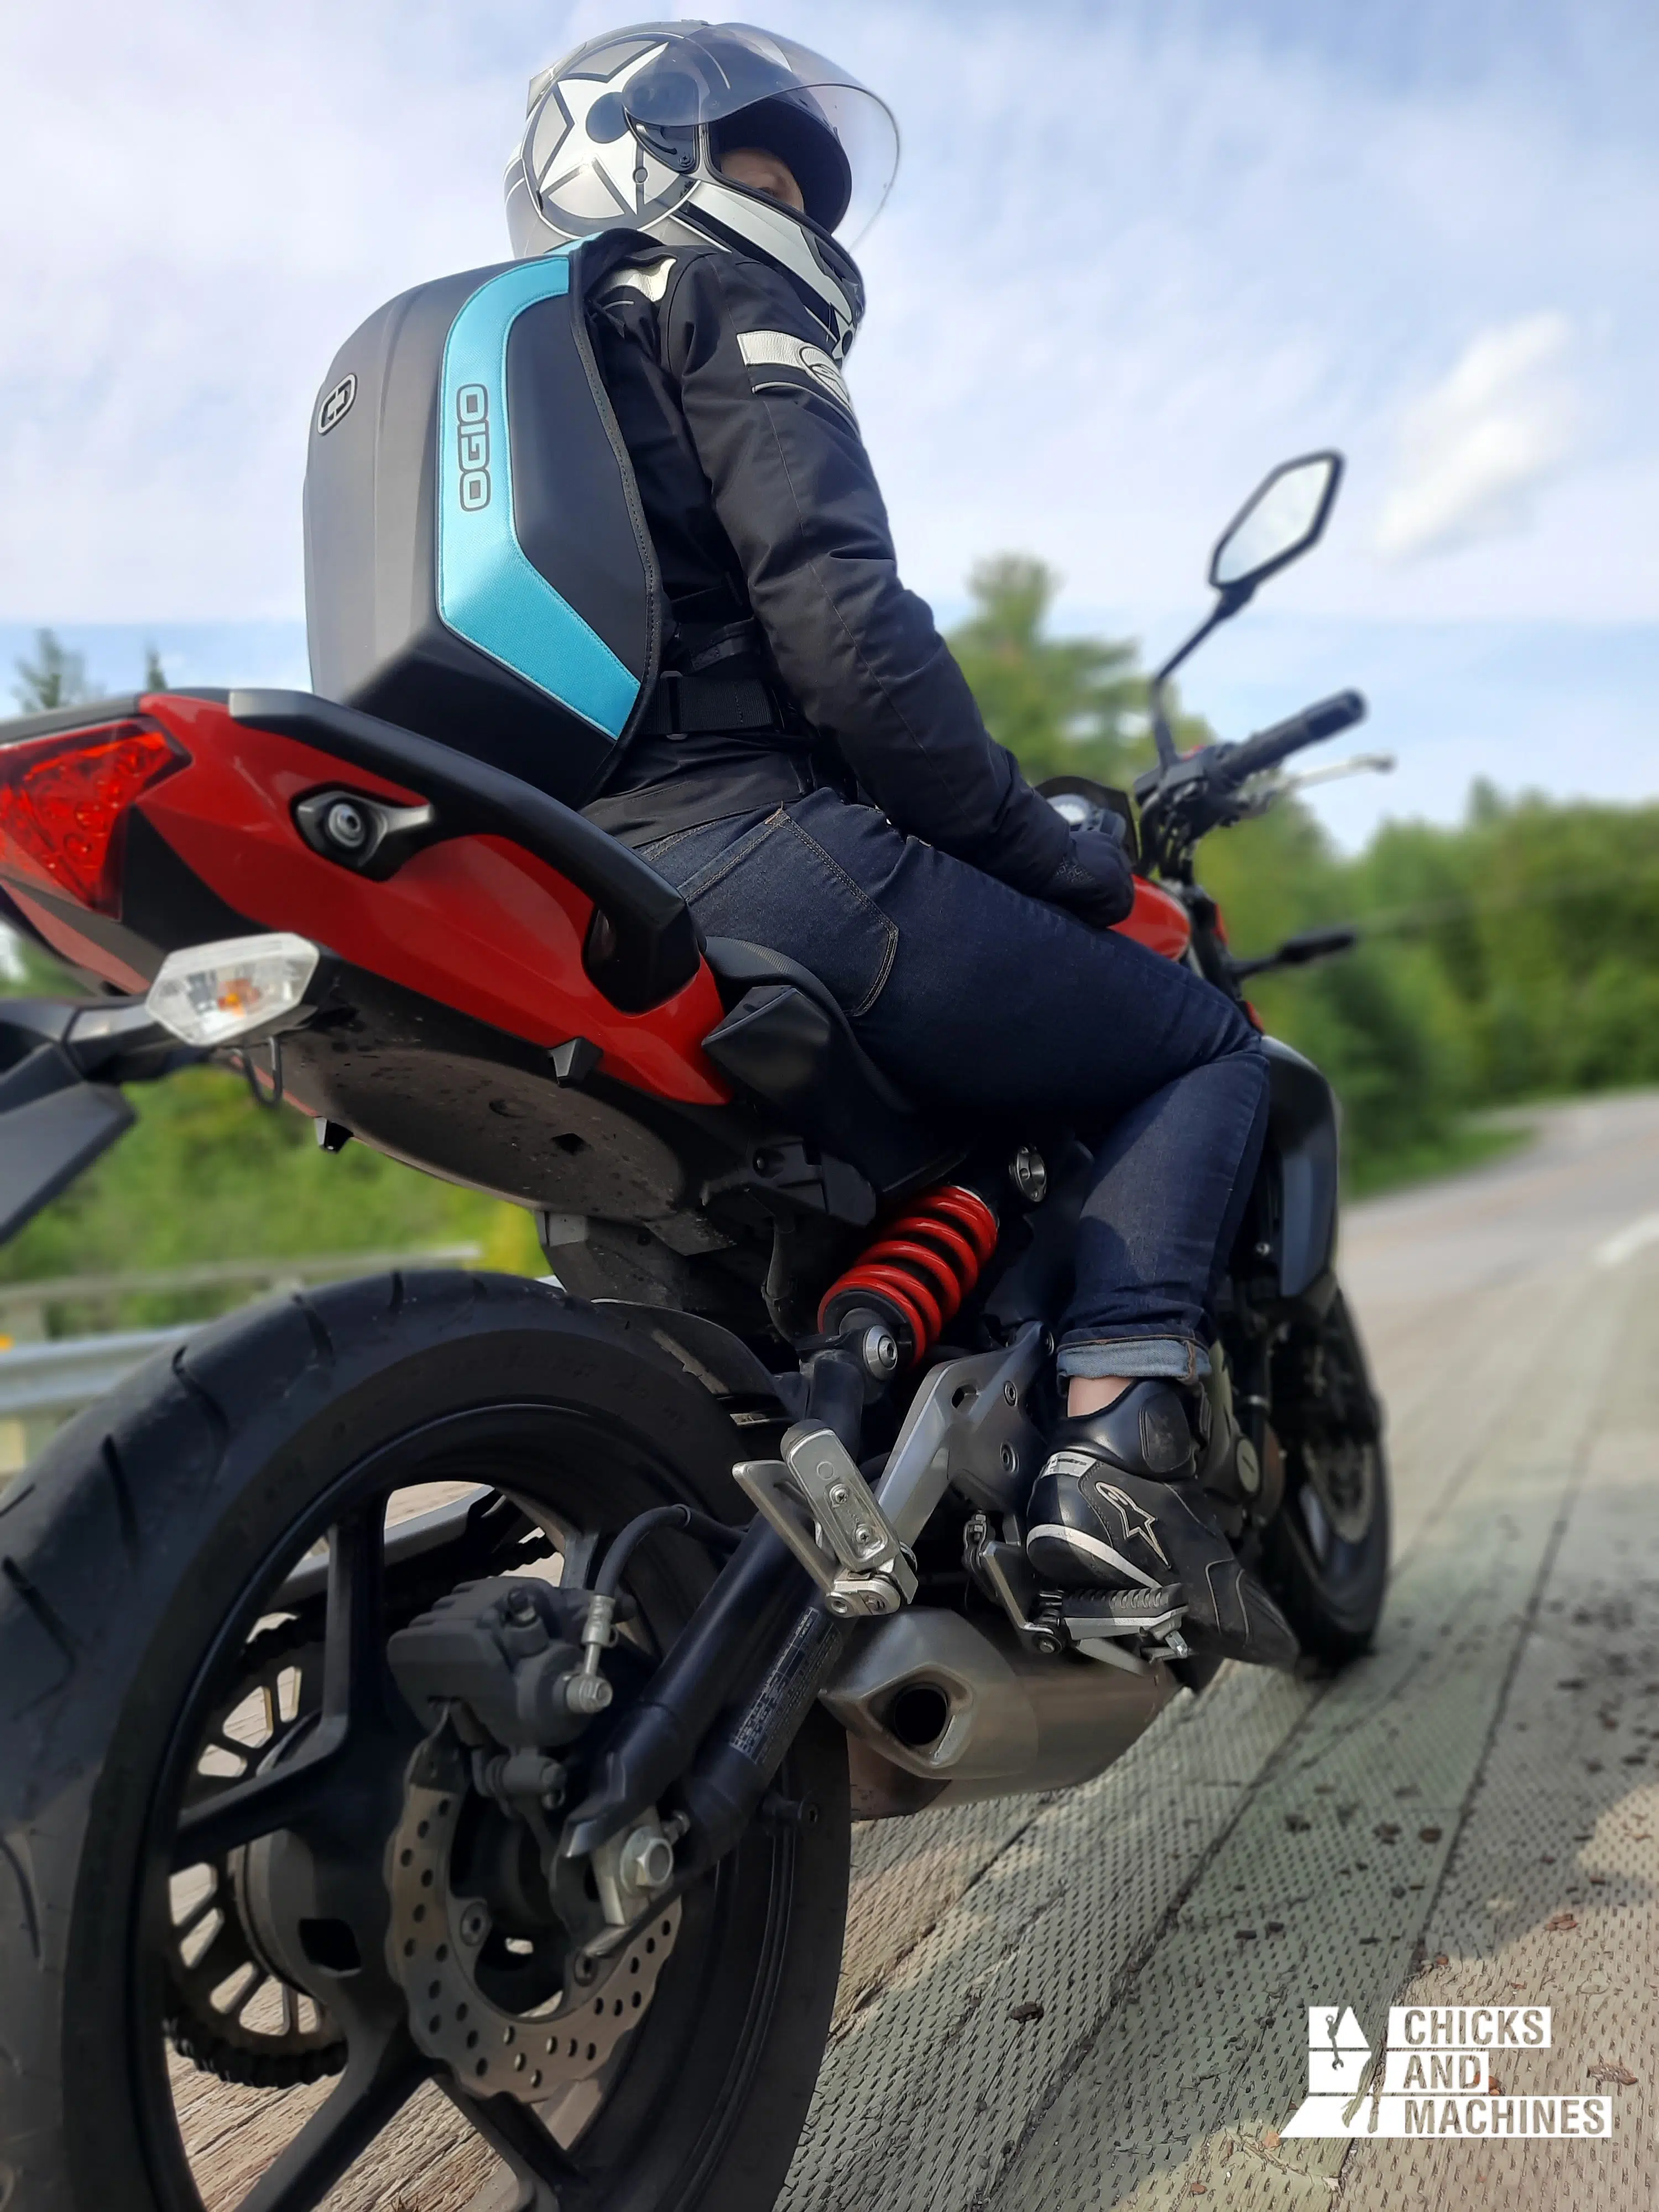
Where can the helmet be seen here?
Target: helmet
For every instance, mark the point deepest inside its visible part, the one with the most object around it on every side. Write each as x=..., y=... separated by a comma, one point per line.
x=627, y=133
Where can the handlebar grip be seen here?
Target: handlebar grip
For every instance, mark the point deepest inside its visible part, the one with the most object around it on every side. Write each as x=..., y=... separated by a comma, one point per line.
x=1323, y=720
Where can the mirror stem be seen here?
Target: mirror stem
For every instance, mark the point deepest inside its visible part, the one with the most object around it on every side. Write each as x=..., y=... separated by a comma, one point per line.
x=1227, y=604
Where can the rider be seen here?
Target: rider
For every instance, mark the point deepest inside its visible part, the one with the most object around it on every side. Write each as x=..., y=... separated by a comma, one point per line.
x=836, y=795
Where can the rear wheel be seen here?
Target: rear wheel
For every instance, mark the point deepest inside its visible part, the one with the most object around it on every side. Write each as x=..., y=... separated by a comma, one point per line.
x=1325, y=1556
x=244, y=1961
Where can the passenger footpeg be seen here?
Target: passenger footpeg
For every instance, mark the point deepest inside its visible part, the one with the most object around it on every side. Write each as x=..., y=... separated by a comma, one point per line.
x=827, y=1514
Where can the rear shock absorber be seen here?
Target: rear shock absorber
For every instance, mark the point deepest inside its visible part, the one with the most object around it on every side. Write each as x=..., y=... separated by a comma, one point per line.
x=916, y=1275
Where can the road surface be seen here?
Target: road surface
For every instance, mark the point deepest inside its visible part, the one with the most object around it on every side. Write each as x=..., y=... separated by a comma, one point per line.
x=1424, y=1829
x=1097, y=2002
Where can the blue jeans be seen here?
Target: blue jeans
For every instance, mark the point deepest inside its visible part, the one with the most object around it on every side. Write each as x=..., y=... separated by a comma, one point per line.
x=971, y=995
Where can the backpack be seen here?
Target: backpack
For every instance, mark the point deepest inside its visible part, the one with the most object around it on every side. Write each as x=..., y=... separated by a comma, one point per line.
x=478, y=564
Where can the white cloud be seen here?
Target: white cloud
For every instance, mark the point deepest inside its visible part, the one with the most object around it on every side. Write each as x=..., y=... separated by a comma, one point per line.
x=1096, y=317
x=1474, y=449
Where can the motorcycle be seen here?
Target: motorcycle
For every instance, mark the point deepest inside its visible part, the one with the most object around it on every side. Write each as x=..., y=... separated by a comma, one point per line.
x=449, y=1681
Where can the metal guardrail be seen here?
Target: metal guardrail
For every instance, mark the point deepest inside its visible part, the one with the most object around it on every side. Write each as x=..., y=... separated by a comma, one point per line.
x=44, y=1381
x=29, y=1300
x=58, y=1378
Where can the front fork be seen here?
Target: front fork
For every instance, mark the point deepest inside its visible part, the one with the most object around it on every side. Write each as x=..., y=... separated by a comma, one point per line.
x=1241, y=1463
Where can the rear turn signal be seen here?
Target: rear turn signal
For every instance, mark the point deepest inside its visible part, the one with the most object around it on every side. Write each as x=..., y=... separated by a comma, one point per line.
x=62, y=799
x=209, y=993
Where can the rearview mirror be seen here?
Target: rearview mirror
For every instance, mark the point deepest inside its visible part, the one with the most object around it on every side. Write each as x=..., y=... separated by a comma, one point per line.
x=1280, y=520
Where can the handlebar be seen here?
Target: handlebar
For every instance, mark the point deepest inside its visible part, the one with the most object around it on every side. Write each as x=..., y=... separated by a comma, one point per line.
x=1324, y=720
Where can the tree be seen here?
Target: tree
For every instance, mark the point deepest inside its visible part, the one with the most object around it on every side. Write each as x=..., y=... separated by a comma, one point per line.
x=1379, y=1025
x=1063, y=705
x=155, y=677
x=55, y=678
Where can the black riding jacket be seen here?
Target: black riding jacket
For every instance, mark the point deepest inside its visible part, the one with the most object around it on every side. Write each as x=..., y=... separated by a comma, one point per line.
x=777, y=560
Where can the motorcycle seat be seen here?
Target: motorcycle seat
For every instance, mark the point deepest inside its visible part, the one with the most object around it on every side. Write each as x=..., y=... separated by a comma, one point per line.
x=785, y=1041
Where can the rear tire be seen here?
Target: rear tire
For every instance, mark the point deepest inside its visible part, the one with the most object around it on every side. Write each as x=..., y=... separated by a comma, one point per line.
x=142, y=1548
x=1325, y=1556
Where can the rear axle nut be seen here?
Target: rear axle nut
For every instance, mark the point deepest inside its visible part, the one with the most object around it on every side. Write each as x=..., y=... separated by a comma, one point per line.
x=645, y=1861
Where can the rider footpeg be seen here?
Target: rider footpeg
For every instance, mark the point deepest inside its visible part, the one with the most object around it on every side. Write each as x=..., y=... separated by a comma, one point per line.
x=825, y=1511
x=1124, y=1628
x=1123, y=1612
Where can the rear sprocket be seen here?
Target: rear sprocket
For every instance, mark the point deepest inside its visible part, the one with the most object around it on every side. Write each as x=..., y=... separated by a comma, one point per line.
x=229, y=2011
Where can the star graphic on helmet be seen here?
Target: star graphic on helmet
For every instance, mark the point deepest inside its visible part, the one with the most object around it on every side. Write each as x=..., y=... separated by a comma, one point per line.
x=1137, y=1521
x=620, y=165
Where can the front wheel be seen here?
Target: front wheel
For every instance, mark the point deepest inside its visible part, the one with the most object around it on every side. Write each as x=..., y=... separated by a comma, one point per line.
x=269, y=1939
x=1325, y=1554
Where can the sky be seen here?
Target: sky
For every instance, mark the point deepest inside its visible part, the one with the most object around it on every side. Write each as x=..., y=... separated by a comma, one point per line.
x=1136, y=254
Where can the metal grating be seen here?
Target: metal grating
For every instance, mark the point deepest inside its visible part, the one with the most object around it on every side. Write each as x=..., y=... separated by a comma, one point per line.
x=1310, y=1833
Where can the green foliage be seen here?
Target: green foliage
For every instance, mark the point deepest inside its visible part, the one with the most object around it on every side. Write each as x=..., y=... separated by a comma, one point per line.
x=1544, y=921
x=1064, y=706
x=27, y=972
x=55, y=678
x=155, y=677
x=208, y=1175
x=1514, y=956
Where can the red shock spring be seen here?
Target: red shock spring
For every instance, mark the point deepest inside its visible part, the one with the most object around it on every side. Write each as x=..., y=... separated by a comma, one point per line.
x=918, y=1273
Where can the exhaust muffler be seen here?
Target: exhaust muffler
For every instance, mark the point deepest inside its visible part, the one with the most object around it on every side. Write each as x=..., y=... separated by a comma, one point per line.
x=941, y=1710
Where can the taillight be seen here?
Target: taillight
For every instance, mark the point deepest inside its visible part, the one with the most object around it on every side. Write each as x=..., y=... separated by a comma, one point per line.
x=62, y=798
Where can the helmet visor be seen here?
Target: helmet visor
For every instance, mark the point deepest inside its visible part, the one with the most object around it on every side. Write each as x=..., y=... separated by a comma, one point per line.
x=750, y=87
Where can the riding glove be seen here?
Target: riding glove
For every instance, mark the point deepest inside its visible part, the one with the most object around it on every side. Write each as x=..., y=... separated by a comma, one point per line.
x=1095, y=881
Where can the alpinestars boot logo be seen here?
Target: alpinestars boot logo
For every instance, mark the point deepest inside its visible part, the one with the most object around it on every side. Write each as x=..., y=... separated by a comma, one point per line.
x=1137, y=1520
x=1439, y=2074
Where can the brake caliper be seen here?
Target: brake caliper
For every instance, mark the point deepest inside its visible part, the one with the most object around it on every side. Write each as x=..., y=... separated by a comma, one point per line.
x=519, y=1973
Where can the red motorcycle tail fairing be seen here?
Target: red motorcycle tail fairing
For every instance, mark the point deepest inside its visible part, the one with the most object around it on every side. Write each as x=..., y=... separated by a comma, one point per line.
x=210, y=848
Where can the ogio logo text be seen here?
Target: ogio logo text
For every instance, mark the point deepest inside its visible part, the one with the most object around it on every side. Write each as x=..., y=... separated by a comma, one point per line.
x=473, y=445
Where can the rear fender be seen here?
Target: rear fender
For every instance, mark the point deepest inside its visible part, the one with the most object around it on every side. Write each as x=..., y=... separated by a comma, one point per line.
x=53, y=1123
x=61, y=1060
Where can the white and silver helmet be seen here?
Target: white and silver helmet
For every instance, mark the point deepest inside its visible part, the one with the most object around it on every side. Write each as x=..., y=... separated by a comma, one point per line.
x=627, y=133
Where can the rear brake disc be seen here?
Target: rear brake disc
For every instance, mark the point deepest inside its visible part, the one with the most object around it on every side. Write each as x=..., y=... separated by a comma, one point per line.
x=437, y=1943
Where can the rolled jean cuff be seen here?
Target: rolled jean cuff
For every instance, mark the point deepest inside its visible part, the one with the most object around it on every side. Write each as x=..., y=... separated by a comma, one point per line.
x=1173, y=1359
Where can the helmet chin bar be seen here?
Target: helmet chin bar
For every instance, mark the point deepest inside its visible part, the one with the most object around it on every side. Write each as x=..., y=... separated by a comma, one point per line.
x=718, y=212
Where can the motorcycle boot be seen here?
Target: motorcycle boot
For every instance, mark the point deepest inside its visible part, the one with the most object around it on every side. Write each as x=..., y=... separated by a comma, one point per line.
x=1118, y=1507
